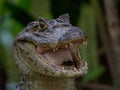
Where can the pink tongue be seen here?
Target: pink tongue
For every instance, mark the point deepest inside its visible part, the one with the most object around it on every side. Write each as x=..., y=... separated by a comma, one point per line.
x=58, y=56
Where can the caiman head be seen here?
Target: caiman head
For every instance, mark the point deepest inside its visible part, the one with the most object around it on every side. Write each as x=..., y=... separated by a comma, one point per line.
x=51, y=47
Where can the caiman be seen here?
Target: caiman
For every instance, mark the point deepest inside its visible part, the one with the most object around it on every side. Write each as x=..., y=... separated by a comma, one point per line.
x=47, y=54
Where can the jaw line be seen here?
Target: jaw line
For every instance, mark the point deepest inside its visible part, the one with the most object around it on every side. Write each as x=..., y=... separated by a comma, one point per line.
x=47, y=68
x=64, y=72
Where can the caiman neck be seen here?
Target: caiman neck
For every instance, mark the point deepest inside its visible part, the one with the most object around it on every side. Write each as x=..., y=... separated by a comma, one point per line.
x=48, y=83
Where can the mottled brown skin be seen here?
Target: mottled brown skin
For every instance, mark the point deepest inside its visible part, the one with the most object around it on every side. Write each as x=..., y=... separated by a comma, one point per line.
x=47, y=55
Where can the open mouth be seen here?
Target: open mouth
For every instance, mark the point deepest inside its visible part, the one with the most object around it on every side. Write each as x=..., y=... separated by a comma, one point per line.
x=65, y=57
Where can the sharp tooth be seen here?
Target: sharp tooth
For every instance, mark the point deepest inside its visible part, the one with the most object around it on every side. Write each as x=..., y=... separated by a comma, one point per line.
x=85, y=63
x=63, y=68
x=53, y=50
x=64, y=71
x=56, y=49
x=70, y=44
x=75, y=68
x=39, y=27
x=66, y=46
x=84, y=42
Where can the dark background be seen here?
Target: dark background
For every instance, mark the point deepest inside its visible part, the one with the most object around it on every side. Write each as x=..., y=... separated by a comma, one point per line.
x=98, y=18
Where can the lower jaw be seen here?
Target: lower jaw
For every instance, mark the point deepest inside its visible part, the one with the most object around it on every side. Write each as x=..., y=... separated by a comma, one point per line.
x=56, y=60
x=49, y=83
x=63, y=72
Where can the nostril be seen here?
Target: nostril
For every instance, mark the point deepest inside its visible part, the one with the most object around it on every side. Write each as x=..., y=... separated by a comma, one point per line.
x=67, y=63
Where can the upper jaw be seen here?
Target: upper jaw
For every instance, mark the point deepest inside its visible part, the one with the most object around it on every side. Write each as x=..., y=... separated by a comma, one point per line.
x=56, y=37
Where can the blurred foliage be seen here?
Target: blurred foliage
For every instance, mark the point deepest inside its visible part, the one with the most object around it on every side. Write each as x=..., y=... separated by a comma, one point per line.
x=18, y=13
x=14, y=16
x=90, y=53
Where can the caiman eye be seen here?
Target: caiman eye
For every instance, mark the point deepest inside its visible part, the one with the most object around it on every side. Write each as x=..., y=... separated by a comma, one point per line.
x=43, y=25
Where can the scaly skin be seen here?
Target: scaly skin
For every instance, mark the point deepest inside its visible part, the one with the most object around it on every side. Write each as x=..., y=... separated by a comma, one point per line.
x=47, y=55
